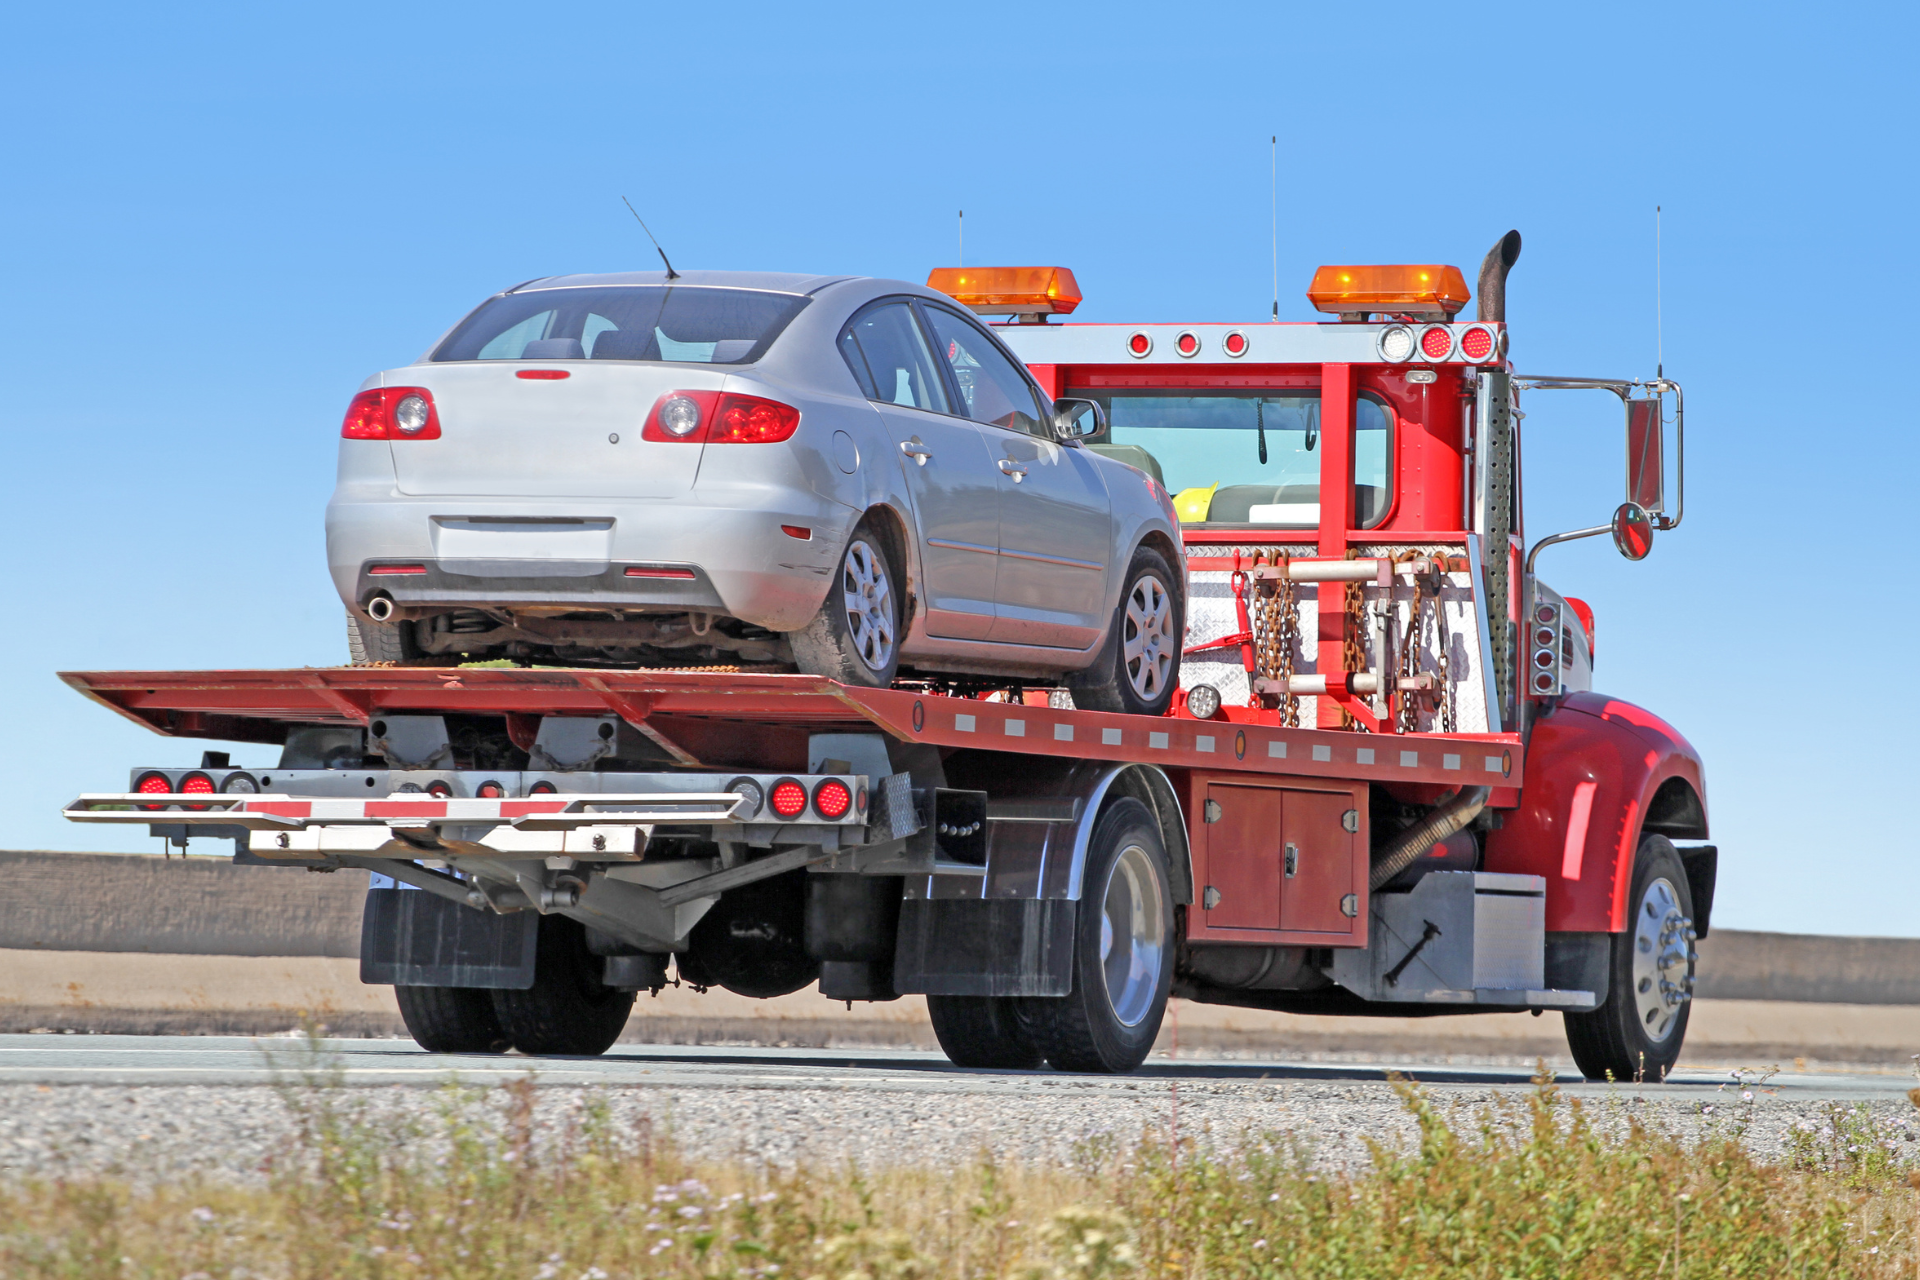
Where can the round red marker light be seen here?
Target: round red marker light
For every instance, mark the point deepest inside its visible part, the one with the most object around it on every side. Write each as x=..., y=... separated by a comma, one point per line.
x=1543, y=658
x=832, y=800
x=543, y=788
x=197, y=784
x=154, y=784
x=1187, y=344
x=1139, y=345
x=789, y=799
x=1234, y=344
x=490, y=790
x=1476, y=344
x=1437, y=343
x=439, y=790
x=1543, y=682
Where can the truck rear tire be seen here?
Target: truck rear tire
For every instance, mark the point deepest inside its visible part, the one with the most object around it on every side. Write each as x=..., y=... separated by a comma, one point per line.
x=567, y=1011
x=379, y=641
x=983, y=1031
x=855, y=638
x=1122, y=951
x=1636, y=1033
x=451, y=1019
x=1139, y=665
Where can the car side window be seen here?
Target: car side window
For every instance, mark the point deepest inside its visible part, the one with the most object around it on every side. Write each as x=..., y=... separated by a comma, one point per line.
x=898, y=368
x=990, y=384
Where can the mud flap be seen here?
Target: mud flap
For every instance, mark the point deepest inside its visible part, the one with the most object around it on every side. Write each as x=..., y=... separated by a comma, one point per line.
x=967, y=947
x=413, y=939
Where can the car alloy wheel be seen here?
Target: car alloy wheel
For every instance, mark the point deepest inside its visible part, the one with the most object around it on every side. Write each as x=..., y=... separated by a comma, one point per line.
x=1132, y=949
x=1662, y=959
x=1148, y=644
x=869, y=603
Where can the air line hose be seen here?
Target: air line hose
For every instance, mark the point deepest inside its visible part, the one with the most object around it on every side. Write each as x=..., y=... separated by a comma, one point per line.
x=1399, y=853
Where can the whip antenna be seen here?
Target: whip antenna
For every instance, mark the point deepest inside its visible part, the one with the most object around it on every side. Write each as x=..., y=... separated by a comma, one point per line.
x=671, y=273
x=961, y=261
x=1273, y=182
x=1659, y=333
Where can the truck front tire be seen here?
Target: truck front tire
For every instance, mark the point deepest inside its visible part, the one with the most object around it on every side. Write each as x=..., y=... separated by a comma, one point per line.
x=1122, y=951
x=1636, y=1033
x=567, y=1011
x=451, y=1019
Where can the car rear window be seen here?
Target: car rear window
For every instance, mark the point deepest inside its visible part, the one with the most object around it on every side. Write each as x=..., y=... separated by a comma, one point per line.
x=635, y=322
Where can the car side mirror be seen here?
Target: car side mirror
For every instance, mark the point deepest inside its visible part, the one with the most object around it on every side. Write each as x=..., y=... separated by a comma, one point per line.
x=1075, y=419
x=1633, y=531
x=1646, y=477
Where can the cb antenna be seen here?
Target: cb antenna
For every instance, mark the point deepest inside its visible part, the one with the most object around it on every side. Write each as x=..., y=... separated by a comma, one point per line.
x=961, y=260
x=1659, y=332
x=1273, y=182
x=671, y=273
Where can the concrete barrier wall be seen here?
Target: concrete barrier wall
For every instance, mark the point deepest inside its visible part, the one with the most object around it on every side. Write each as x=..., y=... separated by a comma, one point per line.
x=101, y=902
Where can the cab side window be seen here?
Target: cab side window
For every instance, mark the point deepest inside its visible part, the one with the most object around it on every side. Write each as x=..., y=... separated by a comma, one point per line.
x=991, y=386
x=890, y=360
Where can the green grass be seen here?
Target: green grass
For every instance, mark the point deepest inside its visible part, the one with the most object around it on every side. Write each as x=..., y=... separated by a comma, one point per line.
x=470, y=1187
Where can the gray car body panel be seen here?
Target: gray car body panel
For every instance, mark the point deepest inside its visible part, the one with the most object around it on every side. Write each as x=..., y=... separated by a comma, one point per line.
x=718, y=509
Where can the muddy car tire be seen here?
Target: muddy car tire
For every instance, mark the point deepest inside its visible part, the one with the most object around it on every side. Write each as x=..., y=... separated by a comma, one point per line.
x=1138, y=667
x=855, y=638
x=380, y=641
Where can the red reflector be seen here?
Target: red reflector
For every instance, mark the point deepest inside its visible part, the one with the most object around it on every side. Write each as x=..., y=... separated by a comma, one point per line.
x=753, y=420
x=388, y=570
x=1236, y=344
x=543, y=788
x=543, y=375
x=1476, y=343
x=799, y=531
x=649, y=571
x=153, y=784
x=1436, y=343
x=1186, y=344
x=831, y=799
x=490, y=790
x=1139, y=344
x=789, y=798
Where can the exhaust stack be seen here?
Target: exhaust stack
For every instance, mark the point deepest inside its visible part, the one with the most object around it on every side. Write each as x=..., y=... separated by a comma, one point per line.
x=1492, y=286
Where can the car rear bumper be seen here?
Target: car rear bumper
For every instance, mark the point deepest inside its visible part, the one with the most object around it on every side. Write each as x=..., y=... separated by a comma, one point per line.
x=740, y=562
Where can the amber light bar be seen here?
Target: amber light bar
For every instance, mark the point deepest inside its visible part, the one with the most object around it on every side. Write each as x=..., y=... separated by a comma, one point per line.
x=1009, y=290
x=1425, y=291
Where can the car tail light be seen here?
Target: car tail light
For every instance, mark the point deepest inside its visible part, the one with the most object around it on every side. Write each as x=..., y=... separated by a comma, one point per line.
x=1436, y=342
x=1234, y=344
x=543, y=375
x=154, y=784
x=197, y=784
x=1187, y=344
x=490, y=790
x=655, y=571
x=392, y=413
x=789, y=798
x=394, y=570
x=752, y=420
x=680, y=417
x=832, y=800
x=1140, y=346
x=1477, y=343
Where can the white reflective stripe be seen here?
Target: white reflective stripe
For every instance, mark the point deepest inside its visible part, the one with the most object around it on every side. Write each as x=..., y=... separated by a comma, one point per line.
x=1016, y=728
x=1063, y=733
x=963, y=724
x=1202, y=742
x=1156, y=741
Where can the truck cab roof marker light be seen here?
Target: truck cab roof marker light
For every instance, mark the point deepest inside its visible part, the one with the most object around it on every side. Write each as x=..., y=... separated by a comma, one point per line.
x=1235, y=344
x=1187, y=345
x=1478, y=343
x=1140, y=344
x=1436, y=342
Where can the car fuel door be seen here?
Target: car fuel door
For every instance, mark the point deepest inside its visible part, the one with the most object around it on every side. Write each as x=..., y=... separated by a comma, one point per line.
x=950, y=476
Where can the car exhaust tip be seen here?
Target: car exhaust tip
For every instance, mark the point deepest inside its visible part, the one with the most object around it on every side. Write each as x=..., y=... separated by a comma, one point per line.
x=381, y=608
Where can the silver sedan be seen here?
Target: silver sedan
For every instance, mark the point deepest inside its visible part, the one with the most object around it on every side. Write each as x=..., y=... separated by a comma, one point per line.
x=848, y=476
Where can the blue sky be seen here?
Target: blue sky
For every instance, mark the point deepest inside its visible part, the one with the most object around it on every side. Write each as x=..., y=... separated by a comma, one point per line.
x=218, y=220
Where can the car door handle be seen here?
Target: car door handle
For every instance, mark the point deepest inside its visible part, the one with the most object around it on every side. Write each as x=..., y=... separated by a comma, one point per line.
x=1011, y=468
x=915, y=450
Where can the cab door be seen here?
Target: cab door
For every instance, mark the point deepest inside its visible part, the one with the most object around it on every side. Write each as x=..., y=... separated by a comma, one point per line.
x=1056, y=526
x=950, y=475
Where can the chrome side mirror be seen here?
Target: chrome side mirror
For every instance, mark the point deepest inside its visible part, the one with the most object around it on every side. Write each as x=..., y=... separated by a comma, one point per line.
x=1075, y=419
x=1632, y=531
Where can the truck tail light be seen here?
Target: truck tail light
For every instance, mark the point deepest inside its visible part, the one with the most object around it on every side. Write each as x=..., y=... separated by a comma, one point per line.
x=753, y=420
x=1436, y=342
x=789, y=799
x=197, y=784
x=392, y=413
x=1477, y=343
x=154, y=783
x=490, y=790
x=832, y=800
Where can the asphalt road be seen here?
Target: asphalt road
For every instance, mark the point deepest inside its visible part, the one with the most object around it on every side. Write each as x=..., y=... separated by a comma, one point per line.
x=237, y=1061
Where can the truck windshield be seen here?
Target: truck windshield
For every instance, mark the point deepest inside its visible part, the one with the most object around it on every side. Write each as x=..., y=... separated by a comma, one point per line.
x=1240, y=458
x=640, y=322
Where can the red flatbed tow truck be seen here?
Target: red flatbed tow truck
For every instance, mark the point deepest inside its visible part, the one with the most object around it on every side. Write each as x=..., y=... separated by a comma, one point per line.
x=1441, y=819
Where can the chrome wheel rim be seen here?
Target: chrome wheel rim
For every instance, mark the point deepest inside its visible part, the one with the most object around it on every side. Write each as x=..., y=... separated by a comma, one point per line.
x=1147, y=640
x=1132, y=935
x=1663, y=959
x=868, y=597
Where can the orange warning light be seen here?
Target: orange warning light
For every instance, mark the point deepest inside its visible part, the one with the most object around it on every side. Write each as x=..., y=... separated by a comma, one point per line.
x=1009, y=290
x=1425, y=292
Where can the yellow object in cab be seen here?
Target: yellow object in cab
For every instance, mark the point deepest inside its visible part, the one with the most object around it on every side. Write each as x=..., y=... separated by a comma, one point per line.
x=1192, y=504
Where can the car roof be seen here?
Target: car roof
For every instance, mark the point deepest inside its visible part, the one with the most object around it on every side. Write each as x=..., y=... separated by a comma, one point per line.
x=771, y=281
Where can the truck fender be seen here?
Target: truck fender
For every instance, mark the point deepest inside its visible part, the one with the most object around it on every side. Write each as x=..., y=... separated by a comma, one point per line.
x=1599, y=773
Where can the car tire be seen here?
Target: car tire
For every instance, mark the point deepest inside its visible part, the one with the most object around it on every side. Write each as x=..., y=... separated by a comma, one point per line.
x=1122, y=951
x=379, y=641
x=451, y=1019
x=855, y=638
x=983, y=1031
x=567, y=1011
x=1138, y=667
x=1637, y=1031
